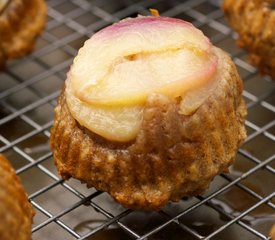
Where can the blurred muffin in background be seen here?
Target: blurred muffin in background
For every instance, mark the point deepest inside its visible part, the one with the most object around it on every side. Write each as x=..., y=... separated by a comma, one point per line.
x=21, y=21
x=254, y=21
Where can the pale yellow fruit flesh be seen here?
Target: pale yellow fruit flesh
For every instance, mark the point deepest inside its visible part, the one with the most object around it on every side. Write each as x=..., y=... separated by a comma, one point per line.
x=117, y=124
x=131, y=81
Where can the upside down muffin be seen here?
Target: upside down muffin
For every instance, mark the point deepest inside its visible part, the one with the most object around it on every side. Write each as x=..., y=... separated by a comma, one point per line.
x=150, y=112
x=21, y=21
x=16, y=213
x=254, y=22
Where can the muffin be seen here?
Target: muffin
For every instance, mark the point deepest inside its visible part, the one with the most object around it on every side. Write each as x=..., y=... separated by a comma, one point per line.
x=254, y=22
x=21, y=21
x=151, y=111
x=16, y=213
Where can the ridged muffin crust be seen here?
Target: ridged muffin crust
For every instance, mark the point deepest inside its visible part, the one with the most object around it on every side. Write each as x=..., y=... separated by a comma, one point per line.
x=16, y=213
x=173, y=155
x=254, y=21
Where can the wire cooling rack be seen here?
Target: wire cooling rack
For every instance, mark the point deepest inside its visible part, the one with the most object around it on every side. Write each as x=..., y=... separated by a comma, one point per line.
x=239, y=205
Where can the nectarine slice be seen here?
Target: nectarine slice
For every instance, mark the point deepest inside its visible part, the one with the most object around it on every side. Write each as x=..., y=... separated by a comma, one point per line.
x=125, y=62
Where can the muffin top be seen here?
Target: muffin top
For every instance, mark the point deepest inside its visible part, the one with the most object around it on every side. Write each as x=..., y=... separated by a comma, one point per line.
x=119, y=67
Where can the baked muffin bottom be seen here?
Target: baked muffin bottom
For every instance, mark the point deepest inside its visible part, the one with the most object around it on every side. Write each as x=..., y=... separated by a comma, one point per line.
x=254, y=21
x=172, y=156
x=21, y=21
x=16, y=212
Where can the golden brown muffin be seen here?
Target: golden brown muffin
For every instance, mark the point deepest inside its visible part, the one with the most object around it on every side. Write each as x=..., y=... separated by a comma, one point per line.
x=21, y=21
x=16, y=213
x=254, y=21
x=173, y=154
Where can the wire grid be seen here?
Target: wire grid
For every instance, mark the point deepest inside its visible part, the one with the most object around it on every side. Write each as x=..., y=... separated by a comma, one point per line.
x=239, y=205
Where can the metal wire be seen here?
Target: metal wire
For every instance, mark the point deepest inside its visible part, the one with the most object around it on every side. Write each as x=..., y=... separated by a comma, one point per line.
x=239, y=205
